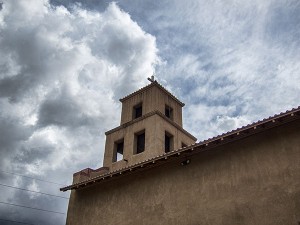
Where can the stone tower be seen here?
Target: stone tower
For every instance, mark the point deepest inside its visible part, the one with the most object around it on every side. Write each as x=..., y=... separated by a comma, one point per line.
x=151, y=124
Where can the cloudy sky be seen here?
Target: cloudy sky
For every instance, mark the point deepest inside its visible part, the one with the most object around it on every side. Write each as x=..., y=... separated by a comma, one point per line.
x=65, y=64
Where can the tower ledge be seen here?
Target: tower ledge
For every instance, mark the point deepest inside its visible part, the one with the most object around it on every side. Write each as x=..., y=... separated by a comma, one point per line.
x=147, y=115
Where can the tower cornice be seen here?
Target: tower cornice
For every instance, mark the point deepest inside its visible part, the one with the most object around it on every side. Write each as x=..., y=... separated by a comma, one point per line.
x=156, y=112
x=154, y=83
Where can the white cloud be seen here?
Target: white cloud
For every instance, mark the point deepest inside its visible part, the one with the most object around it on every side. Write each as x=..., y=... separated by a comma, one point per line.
x=62, y=72
x=235, y=55
x=209, y=121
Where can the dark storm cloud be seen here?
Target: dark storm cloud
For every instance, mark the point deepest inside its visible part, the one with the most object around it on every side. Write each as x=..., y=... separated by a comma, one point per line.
x=35, y=200
x=57, y=69
x=15, y=87
x=89, y=4
x=28, y=155
x=62, y=111
x=13, y=133
x=28, y=51
x=62, y=71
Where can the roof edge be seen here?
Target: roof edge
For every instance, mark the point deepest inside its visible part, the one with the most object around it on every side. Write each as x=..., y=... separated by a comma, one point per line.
x=154, y=83
x=208, y=144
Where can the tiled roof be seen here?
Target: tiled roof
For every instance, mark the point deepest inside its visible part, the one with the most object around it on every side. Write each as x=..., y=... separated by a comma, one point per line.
x=154, y=83
x=209, y=144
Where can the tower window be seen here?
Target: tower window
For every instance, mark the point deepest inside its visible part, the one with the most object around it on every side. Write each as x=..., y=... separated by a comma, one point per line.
x=139, y=142
x=137, y=111
x=118, y=150
x=169, y=112
x=168, y=142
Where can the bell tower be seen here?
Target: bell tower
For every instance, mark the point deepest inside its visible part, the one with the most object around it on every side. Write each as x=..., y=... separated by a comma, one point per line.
x=151, y=125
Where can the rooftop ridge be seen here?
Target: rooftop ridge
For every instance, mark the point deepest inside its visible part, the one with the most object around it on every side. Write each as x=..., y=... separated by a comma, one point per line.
x=255, y=123
x=207, y=144
x=154, y=83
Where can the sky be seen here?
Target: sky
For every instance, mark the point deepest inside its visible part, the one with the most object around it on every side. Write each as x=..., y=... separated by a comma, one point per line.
x=64, y=65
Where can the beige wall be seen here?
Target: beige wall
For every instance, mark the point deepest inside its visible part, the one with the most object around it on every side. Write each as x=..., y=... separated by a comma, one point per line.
x=248, y=182
x=155, y=127
x=153, y=98
x=88, y=173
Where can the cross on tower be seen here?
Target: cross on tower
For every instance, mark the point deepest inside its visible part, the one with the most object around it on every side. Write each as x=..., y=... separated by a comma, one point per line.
x=152, y=78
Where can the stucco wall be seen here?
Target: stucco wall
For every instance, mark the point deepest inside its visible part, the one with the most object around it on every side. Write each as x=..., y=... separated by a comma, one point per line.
x=153, y=99
x=155, y=127
x=251, y=181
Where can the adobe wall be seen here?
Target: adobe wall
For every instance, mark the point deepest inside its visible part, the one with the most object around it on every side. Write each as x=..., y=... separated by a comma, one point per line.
x=248, y=182
x=152, y=98
x=155, y=127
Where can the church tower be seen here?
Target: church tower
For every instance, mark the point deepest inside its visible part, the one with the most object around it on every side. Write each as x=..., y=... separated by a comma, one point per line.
x=151, y=125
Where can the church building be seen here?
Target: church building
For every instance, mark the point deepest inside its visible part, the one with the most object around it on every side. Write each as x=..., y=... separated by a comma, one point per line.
x=154, y=171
